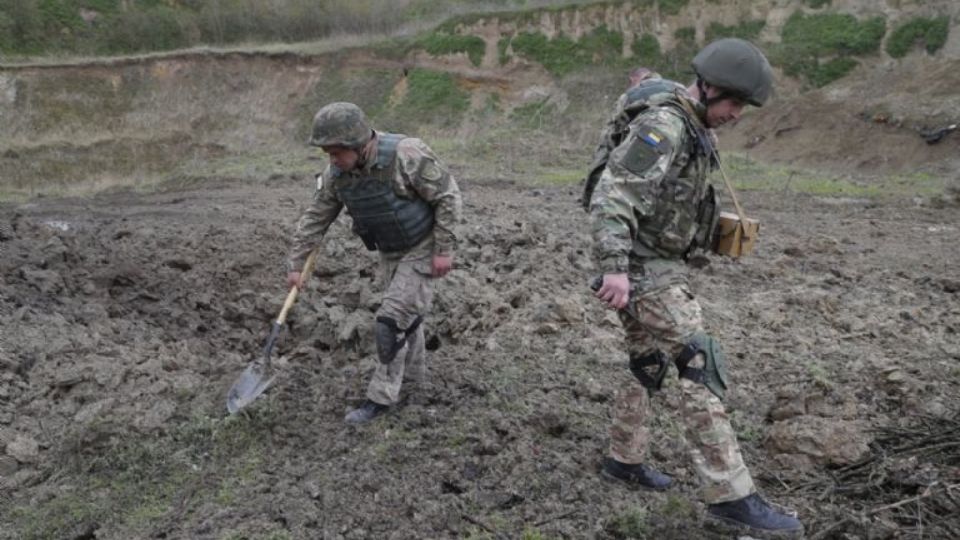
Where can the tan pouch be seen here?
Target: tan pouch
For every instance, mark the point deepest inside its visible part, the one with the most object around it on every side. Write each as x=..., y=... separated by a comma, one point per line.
x=736, y=237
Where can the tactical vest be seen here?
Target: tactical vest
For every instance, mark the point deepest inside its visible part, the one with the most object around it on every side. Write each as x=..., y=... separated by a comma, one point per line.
x=382, y=219
x=687, y=207
x=637, y=99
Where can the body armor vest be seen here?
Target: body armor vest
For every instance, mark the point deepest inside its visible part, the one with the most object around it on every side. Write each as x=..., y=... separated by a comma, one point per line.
x=636, y=102
x=384, y=220
x=687, y=207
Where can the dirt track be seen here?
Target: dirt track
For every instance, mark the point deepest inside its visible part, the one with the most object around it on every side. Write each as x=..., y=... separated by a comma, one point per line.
x=125, y=317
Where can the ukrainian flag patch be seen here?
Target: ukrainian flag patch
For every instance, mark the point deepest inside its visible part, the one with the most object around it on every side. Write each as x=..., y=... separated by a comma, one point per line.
x=651, y=138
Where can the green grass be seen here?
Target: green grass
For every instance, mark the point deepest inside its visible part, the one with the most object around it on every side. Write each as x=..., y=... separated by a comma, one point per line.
x=440, y=43
x=432, y=97
x=631, y=523
x=647, y=50
x=748, y=30
x=929, y=32
x=560, y=177
x=817, y=47
x=747, y=174
x=533, y=115
x=532, y=534
x=136, y=482
x=672, y=7
x=678, y=507
x=562, y=55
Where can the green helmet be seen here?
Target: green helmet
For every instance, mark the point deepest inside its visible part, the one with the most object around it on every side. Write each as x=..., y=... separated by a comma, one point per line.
x=738, y=67
x=340, y=124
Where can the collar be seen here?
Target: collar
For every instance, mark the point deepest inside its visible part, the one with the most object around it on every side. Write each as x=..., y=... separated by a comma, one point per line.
x=368, y=154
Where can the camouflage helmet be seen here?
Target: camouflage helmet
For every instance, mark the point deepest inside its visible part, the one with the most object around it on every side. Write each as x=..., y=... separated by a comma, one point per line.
x=738, y=67
x=340, y=124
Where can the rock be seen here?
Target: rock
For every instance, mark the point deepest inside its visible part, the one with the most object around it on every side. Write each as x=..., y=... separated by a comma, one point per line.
x=91, y=411
x=353, y=326
x=46, y=281
x=313, y=489
x=157, y=416
x=546, y=329
x=8, y=465
x=592, y=390
x=569, y=310
x=789, y=404
x=825, y=441
x=950, y=285
x=896, y=381
x=24, y=449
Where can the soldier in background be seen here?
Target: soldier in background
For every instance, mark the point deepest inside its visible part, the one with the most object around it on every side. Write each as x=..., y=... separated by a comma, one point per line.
x=404, y=204
x=650, y=208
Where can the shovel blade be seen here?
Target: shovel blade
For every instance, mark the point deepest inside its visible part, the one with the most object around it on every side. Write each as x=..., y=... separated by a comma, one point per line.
x=249, y=385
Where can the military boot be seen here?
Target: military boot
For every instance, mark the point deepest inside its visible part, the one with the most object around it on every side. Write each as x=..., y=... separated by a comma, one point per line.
x=365, y=412
x=635, y=475
x=754, y=516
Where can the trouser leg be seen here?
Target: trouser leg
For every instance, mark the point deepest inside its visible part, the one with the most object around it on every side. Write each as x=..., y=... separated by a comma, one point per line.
x=406, y=300
x=713, y=445
x=629, y=435
x=668, y=319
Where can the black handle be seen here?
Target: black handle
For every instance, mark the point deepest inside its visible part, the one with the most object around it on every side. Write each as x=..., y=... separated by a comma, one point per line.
x=596, y=283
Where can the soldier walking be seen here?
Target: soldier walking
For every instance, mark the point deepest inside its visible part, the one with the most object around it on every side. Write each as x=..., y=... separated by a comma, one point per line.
x=650, y=207
x=405, y=204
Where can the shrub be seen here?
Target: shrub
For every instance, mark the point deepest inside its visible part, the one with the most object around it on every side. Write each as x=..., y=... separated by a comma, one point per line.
x=647, y=49
x=932, y=33
x=748, y=30
x=806, y=39
x=672, y=7
x=826, y=73
x=561, y=55
x=433, y=96
x=440, y=43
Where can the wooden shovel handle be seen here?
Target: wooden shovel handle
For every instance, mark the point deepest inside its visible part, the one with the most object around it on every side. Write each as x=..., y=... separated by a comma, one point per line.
x=292, y=295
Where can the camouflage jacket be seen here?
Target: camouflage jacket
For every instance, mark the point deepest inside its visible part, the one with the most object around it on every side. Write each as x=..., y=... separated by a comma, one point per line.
x=418, y=174
x=648, y=198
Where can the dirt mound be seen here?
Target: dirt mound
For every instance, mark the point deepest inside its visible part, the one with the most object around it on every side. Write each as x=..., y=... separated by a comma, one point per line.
x=126, y=317
x=878, y=121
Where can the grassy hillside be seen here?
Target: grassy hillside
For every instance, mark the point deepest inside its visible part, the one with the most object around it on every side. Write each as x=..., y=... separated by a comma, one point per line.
x=107, y=27
x=515, y=94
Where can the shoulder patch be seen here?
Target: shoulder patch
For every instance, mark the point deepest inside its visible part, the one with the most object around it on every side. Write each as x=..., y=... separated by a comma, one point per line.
x=430, y=171
x=645, y=149
x=654, y=138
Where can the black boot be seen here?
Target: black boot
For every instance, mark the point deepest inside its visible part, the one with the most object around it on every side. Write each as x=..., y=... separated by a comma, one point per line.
x=365, y=413
x=638, y=475
x=753, y=515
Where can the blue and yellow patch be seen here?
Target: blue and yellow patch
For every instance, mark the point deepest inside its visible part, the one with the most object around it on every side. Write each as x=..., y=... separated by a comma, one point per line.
x=651, y=138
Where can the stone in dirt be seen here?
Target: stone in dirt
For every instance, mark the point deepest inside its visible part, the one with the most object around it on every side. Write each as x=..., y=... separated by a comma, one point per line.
x=824, y=441
x=24, y=449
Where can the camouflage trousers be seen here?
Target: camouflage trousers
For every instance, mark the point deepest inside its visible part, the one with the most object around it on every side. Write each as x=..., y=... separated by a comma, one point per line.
x=668, y=317
x=408, y=293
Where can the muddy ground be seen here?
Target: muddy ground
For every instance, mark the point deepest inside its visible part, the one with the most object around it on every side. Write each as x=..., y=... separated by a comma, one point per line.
x=125, y=318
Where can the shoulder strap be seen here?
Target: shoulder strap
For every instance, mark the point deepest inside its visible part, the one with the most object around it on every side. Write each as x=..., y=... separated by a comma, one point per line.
x=387, y=148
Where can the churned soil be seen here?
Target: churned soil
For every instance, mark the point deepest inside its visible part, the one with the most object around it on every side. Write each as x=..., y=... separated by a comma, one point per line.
x=125, y=317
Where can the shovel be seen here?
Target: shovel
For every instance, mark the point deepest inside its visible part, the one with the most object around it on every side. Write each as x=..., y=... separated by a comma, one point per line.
x=259, y=373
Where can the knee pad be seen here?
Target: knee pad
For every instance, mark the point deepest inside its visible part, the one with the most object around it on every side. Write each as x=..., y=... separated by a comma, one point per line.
x=650, y=369
x=713, y=374
x=391, y=338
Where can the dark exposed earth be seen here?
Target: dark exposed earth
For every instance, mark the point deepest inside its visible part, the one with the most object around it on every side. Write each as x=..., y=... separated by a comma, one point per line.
x=125, y=317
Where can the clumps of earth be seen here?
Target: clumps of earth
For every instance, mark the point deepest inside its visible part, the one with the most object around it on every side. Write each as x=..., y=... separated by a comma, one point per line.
x=125, y=317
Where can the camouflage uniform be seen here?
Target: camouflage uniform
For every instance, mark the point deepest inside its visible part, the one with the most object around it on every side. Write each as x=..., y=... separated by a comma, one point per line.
x=644, y=212
x=406, y=275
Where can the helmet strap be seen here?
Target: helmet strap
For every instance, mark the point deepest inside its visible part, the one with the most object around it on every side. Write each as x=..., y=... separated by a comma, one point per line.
x=722, y=95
